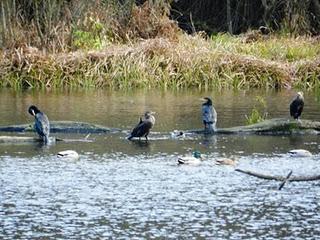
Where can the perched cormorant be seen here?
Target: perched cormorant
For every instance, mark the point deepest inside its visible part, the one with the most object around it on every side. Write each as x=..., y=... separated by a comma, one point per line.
x=142, y=129
x=209, y=115
x=296, y=106
x=194, y=160
x=41, y=124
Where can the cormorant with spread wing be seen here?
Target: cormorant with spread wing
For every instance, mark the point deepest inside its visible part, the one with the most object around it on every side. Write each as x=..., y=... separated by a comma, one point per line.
x=209, y=115
x=41, y=124
x=297, y=105
x=143, y=127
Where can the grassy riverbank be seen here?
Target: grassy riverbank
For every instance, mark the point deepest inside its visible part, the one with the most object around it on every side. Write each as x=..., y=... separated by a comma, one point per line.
x=94, y=44
x=222, y=61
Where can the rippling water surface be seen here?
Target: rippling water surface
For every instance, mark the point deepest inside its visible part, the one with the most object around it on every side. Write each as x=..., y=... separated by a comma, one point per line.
x=135, y=190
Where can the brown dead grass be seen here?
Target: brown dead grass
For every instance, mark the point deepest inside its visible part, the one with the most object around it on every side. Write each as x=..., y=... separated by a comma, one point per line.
x=159, y=62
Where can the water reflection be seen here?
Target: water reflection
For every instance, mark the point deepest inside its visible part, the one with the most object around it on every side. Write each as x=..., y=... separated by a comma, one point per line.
x=141, y=143
x=175, y=110
x=122, y=189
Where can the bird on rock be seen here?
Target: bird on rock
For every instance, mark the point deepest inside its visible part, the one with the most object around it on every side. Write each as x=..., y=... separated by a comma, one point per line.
x=41, y=124
x=209, y=115
x=296, y=106
x=144, y=126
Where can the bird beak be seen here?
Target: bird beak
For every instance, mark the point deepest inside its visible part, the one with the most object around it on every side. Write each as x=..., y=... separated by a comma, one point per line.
x=33, y=114
x=202, y=100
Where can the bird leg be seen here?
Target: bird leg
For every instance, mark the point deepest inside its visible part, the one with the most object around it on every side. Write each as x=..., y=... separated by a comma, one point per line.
x=208, y=128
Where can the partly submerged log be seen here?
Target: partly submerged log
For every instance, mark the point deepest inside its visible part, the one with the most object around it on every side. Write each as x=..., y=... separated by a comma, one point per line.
x=63, y=127
x=288, y=178
x=18, y=139
x=275, y=126
x=27, y=139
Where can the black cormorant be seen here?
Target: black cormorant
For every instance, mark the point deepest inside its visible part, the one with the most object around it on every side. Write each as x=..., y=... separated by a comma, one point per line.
x=209, y=115
x=143, y=127
x=41, y=124
x=296, y=106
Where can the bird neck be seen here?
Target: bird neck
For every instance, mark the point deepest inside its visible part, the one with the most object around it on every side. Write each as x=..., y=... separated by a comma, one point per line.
x=151, y=119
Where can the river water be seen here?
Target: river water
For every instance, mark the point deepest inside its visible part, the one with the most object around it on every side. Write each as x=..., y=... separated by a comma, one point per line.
x=135, y=190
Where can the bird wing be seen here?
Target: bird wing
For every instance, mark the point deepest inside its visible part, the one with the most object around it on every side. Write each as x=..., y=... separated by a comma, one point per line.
x=206, y=113
x=141, y=129
x=300, y=107
x=296, y=107
x=214, y=115
x=209, y=114
x=42, y=124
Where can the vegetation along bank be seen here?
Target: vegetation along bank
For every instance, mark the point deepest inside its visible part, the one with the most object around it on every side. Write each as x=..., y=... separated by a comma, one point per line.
x=140, y=46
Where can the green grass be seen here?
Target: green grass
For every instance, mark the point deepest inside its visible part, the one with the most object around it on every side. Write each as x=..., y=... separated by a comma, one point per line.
x=259, y=112
x=274, y=47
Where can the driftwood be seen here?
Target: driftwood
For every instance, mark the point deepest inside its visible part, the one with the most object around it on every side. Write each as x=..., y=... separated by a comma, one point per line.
x=275, y=126
x=288, y=178
x=285, y=180
x=63, y=127
x=18, y=139
x=26, y=139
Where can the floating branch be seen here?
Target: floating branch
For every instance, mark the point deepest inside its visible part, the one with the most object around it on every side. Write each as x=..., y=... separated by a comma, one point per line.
x=285, y=180
x=280, y=178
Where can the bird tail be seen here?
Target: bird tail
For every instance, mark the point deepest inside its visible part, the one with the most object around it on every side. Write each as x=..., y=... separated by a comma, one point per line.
x=181, y=161
x=130, y=137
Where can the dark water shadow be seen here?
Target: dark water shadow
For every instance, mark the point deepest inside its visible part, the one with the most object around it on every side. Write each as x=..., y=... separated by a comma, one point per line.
x=141, y=143
x=209, y=140
x=43, y=147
